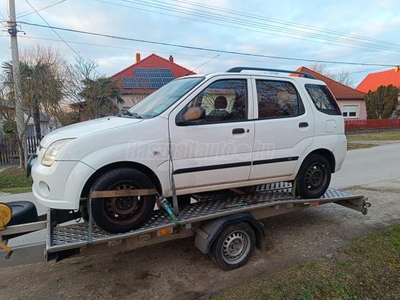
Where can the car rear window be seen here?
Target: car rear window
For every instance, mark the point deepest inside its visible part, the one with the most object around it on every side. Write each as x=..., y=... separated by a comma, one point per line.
x=323, y=99
x=277, y=99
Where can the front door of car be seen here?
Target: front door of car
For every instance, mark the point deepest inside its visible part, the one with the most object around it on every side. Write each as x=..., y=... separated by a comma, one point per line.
x=212, y=135
x=284, y=128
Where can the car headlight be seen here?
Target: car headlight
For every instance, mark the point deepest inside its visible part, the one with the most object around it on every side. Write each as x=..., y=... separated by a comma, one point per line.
x=51, y=152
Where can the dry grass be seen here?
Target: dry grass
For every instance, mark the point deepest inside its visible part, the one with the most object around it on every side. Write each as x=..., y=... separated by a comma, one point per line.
x=368, y=268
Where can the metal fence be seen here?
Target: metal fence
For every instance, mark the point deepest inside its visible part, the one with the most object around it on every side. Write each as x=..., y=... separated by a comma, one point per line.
x=372, y=124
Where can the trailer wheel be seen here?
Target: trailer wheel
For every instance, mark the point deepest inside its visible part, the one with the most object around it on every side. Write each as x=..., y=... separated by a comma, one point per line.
x=233, y=246
x=122, y=214
x=314, y=177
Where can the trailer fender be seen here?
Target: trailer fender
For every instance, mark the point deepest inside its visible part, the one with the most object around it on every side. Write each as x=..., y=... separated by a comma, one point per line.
x=208, y=232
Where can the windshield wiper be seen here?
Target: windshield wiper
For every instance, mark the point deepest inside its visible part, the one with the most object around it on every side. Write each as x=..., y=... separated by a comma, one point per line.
x=136, y=115
x=128, y=113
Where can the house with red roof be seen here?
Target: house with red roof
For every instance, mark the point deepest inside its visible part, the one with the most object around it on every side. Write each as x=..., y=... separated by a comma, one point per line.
x=375, y=80
x=146, y=76
x=351, y=101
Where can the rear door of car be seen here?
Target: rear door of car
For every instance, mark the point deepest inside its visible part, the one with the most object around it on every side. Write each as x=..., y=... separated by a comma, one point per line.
x=284, y=127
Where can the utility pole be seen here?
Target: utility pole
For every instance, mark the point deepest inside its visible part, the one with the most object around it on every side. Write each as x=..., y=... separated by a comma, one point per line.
x=19, y=107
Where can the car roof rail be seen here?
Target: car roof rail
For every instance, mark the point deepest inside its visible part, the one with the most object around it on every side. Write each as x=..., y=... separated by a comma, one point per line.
x=240, y=69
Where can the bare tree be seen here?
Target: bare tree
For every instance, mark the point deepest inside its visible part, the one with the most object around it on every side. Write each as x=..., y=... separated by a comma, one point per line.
x=94, y=94
x=343, y=76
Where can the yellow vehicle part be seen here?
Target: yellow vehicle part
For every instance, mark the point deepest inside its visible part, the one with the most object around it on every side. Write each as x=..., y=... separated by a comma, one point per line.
x=5, y=215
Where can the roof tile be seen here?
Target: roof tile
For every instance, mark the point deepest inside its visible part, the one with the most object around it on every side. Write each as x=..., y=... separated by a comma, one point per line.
x=339, y=90
x=375, y=80
x=153, y=61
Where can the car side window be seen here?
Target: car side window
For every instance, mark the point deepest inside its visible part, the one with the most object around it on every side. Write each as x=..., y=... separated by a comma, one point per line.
x=323, y=99
x=277, y=99
x=223, y=101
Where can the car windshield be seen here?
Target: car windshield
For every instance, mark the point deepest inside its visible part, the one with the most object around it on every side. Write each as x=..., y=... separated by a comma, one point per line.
x=157, y=102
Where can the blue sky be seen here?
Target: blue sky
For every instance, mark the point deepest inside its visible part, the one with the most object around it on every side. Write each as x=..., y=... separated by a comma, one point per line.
x=270, y=34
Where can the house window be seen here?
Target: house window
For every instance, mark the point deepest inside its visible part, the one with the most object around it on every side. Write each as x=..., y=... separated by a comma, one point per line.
x=350, y=111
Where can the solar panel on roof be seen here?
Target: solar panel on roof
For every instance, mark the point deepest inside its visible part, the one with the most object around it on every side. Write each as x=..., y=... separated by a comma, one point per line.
x=148, y=78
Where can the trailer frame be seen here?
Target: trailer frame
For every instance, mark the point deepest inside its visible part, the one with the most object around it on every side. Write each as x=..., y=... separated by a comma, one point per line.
x=205, y=219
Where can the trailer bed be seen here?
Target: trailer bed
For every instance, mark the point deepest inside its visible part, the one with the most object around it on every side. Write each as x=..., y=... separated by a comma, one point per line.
x=261, y=202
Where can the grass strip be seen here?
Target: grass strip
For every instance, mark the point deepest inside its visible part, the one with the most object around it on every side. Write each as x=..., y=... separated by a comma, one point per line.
x=368, y=268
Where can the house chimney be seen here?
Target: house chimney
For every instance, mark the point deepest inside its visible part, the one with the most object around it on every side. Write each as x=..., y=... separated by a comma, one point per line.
x=171, y=59
x=137, y=57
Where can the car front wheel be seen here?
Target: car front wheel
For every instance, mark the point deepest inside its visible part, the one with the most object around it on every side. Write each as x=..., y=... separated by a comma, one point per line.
x=122, y=214
x=314, y=177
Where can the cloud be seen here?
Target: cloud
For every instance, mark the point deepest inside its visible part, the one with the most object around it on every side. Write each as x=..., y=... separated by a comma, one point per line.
x=271, y=28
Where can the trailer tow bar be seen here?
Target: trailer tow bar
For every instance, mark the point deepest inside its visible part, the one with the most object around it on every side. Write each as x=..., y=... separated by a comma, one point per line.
x=366, y=205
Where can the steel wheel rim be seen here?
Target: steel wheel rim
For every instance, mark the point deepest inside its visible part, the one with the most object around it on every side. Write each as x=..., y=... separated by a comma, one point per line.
x=123, y=209
x=236, y=246
x=316, y=177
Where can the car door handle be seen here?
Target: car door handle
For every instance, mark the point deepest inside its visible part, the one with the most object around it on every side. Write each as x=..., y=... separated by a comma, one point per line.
x=238, y=131
x=303, y=124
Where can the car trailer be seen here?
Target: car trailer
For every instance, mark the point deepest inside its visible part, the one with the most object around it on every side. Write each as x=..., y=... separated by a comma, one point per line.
x=225, y=225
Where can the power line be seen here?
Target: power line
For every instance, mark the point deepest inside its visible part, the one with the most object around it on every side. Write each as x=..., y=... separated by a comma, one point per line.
x=4, y=18
x=53, y=30
x=106, y=46
x=285, y=23
x=283, y=28
x=166, y=52
x=28, y=12
x=204, y=49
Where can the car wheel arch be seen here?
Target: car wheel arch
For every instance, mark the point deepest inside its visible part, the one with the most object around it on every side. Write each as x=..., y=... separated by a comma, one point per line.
x=327, y=154
x=123, y=164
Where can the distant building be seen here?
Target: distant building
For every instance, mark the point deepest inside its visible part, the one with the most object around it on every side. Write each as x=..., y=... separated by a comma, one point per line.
x=350, y=101
x=44, y=125
x=146, y=76
x=384, y=78
x=375, y=80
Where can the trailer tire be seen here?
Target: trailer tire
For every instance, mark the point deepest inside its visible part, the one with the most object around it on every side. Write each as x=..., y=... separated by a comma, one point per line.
x=314, y=177
x=233, y=246
x=122, y=214
x=22, y=212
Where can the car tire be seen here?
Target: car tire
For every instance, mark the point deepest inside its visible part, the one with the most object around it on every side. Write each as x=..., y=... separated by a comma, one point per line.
x=122, y=214
x=22, y=212
x=234, y=246
x=313, y=178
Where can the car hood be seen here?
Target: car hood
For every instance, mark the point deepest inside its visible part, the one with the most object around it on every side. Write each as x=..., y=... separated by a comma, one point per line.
x=86, y=128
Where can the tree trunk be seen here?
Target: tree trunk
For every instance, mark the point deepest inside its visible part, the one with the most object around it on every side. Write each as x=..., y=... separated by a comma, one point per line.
x=21, y=150
x=36, y=120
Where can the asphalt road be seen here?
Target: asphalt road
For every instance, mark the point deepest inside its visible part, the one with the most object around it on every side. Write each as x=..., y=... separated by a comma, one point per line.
x=366, y=166
x=361, y=167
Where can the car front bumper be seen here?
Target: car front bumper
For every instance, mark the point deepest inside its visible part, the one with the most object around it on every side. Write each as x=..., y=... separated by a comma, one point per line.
x=60, y=185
